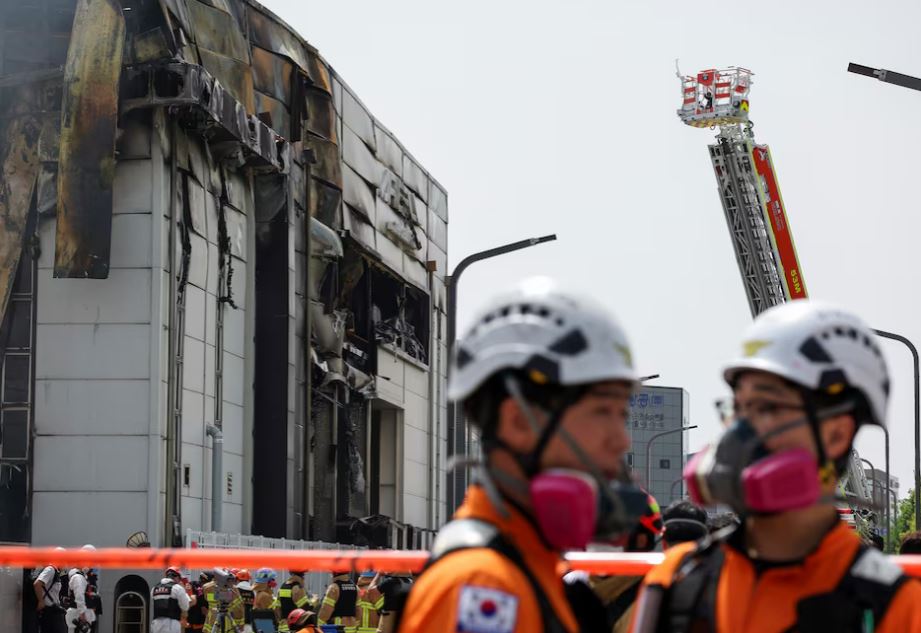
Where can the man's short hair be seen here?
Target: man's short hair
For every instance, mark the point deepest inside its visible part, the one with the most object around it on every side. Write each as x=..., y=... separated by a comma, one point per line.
x=684, y=522
x=911, y=543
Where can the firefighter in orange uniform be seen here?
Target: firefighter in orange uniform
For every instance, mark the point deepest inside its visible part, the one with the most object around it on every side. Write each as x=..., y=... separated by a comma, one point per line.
x=547, y=377
x=809, y=376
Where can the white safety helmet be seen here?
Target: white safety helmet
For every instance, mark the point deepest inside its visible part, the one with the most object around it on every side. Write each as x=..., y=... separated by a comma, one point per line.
x=553, y=336
x=820, y=347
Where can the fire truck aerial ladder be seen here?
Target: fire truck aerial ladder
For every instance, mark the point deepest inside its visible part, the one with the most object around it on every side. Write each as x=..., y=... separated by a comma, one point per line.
x=754, y=209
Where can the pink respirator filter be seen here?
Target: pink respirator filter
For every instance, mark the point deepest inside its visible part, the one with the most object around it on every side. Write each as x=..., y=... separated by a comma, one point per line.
x=788, y=480
x=566, y=507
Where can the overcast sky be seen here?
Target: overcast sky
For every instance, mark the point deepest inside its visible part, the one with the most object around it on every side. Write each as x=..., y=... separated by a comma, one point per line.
x=559, y=117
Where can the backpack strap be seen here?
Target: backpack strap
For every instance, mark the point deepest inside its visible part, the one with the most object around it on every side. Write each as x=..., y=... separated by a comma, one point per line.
x=690, y=601
x=860, y=600
x=464, y=534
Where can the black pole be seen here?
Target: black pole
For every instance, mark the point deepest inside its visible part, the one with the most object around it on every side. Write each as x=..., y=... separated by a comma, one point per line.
x=457, y=430
x=917, y=385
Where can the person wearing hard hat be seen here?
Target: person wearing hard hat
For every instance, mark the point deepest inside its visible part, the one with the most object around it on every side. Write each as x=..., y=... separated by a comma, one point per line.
x=266, y=608
x=170, y=603
x=247, y=595
x=75, y=599
x=301, y=621
x=339, y=602
x=546, y=375
x=224, y=603
x=48, y=586
x=370, y=602
x=810, y=375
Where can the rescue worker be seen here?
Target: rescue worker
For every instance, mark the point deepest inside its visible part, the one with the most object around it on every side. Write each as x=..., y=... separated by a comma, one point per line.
x=370, y=602
x=170, y=603
x=223, y=602
x=339, y=602
x=248, y=595
x=684, y=522
x=77, y=613
x=547, y=377
x=199, y=609
x=618, y=593
x=809, y=376
x=394, y=588
x=301, y=621
x=47, y=587
x=266, y=609
x=291, y=596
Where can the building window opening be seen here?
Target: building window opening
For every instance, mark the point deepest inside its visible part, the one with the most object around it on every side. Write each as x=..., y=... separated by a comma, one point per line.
x=665, y=464
x=400, y=314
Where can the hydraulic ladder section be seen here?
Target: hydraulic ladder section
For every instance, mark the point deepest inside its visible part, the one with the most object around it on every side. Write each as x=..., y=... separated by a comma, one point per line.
x=739, y=192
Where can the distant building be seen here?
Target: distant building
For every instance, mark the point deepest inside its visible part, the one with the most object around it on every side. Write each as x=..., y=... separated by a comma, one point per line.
x=654, y=411
x=876, y=479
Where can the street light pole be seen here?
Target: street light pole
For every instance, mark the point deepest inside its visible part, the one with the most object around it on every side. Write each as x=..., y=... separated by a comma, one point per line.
x=917, y=386
x=457, y=433
x=649, y=448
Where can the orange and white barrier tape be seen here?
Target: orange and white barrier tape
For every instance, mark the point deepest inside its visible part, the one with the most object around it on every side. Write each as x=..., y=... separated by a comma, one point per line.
x=617, y=564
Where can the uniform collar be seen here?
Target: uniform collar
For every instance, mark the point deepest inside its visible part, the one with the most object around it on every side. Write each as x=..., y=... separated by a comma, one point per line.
x=514, y=525
x=838, y=537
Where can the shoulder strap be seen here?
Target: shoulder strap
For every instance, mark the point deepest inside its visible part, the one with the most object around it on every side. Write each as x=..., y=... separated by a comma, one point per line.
x=861, y=598
x=691, y=599
x=463, y=534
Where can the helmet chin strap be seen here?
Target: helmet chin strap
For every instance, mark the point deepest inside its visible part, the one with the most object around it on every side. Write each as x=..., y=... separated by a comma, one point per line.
x=547, y=432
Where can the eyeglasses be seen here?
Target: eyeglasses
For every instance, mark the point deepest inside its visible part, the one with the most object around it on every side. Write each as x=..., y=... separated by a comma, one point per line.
x=764, y=410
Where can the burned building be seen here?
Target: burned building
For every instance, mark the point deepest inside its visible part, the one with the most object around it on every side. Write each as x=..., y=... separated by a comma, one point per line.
x=208, y=241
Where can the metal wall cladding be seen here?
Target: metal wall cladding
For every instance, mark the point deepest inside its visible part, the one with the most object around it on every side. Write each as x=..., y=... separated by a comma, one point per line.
x=359, y=228
x=438, y=200
x=321, y=119
x=357, y=155
x=415, y=177
x=86, y=165
x=358, y=119
x=389, y=151
x=438, y=230
x=272, y=74
x=218, y=31
x=357, y=193
x=272, y=36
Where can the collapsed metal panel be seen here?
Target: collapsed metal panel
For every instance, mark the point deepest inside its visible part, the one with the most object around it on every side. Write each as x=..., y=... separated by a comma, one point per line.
x=89, y=118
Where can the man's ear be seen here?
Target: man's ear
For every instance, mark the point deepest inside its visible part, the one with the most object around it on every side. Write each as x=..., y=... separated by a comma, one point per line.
x=838, y=435
x=514, y=428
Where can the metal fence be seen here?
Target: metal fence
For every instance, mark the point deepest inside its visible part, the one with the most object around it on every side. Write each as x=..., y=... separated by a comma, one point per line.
x=314, y=582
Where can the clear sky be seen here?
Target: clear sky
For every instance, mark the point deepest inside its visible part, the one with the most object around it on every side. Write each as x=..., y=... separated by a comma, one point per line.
x=559, y=117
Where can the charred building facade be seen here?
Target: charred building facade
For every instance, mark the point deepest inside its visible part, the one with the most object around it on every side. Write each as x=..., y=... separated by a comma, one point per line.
x=209, y=242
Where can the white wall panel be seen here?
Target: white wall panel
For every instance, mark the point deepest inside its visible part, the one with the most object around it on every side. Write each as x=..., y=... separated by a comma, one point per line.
x=96, y=463
x=66, y=518
x=92, y=407
x=122, y=298
x=132, y=242
x=92, y=351
x=133, y=187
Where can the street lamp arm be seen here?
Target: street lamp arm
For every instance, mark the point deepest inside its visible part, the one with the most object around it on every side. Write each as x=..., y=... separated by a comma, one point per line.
x=649, y=447
x=498, y=250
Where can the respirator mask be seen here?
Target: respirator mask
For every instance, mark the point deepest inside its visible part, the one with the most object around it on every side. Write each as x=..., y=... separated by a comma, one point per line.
x=740, y=472
x=574, y=508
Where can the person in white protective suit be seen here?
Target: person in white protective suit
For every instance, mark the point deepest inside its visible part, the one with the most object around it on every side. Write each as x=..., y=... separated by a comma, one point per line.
x=170, y=603
x=77, y=611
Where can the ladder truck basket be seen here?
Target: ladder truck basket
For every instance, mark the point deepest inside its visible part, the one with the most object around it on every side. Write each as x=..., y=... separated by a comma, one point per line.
x=715, y=97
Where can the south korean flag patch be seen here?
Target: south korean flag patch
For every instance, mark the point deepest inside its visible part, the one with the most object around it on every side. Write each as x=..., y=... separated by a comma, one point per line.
x=485, y=610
